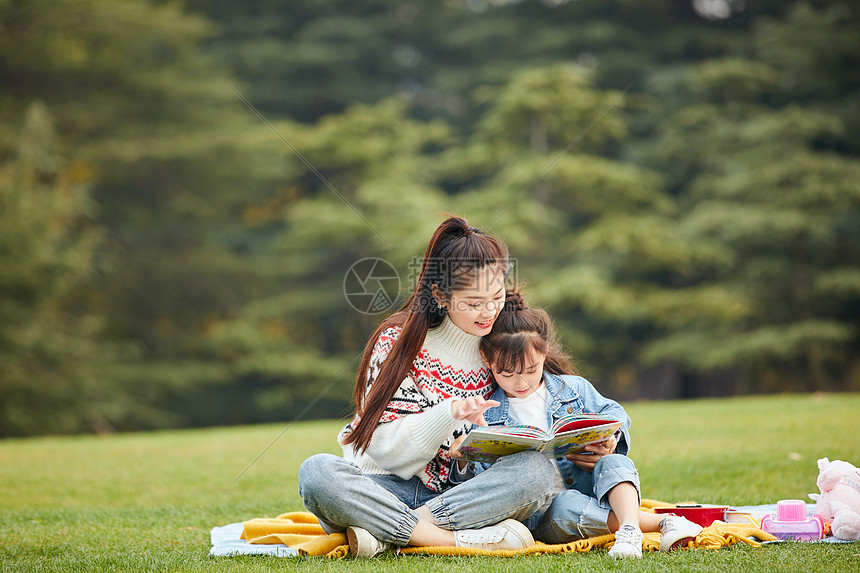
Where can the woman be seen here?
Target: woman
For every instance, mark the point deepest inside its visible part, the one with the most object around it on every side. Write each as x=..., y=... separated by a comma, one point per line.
x=421, y=384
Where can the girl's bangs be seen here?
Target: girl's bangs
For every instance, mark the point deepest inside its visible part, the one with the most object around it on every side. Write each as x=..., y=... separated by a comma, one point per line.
x=508, y=353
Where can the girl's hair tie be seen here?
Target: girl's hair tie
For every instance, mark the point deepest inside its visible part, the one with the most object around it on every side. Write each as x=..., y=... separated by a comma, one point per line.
x=514, y=301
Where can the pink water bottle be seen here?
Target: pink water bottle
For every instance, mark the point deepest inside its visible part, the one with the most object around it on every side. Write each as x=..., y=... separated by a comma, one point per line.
x=791, y=522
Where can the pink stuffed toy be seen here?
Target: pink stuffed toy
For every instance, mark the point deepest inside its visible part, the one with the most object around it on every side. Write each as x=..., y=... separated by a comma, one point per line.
x=839, y=502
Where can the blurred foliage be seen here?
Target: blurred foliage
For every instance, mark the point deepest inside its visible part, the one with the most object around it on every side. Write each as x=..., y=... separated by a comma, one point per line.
x=47, y=244
x=765, y=168
x=183, y=188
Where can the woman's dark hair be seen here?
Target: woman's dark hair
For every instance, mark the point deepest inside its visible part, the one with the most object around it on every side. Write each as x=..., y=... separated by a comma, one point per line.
x=517, y=329
x=455, y=254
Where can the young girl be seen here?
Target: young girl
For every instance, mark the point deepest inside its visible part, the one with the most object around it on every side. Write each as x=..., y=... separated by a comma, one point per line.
x=595, y=492
x=421, y=384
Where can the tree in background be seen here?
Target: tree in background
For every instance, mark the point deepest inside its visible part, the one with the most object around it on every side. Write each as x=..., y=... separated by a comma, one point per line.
x=150, y=126
x=758, y=151
x=49, y=356
x=592, y=237
x=595, y=237
x=215, y=172
x=365, y=185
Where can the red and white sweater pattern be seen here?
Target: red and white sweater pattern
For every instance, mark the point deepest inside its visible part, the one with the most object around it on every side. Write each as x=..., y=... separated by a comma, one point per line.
x=448, y=367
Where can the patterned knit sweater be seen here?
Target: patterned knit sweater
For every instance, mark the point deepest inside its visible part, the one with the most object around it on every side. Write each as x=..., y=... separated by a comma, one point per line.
x=417, y=426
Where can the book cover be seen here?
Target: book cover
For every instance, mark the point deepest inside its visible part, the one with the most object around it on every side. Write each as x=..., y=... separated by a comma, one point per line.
x=568, y=434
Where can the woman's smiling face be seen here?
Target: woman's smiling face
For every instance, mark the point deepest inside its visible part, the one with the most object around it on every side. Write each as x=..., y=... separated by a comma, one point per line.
x=474, y=307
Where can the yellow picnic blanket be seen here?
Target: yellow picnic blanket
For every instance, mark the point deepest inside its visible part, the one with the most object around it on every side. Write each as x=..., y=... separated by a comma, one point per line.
x=301, y=531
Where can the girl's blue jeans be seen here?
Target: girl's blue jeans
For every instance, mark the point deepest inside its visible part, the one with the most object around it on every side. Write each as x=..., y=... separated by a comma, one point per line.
x=582, y=510
x=339, y=495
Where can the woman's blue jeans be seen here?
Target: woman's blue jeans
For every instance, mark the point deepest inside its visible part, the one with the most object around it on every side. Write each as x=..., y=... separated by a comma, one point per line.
x=340, y=496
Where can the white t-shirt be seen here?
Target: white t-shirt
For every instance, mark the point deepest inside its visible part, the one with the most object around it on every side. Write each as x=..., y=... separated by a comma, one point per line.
x=531, y=410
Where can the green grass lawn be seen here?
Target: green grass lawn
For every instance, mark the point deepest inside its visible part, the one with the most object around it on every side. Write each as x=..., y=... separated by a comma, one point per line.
x=146, y=502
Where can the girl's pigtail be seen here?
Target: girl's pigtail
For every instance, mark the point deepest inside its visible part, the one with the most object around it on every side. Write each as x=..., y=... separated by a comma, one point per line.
x=519, y=328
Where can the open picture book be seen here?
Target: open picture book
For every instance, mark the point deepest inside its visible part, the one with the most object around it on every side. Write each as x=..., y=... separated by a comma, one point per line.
x=569, y=434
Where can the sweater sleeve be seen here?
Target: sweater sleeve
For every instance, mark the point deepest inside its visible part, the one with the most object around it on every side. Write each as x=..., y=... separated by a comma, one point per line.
x=412, y=428
x=406, y=445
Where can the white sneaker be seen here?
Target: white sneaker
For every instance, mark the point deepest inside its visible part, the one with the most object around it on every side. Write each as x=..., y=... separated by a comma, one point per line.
x=628, y=543
x=363, y=544
x=677, y=531
x=509, y=534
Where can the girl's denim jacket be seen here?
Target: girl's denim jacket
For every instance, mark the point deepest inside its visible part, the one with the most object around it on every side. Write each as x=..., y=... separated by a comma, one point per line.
x=567, y=395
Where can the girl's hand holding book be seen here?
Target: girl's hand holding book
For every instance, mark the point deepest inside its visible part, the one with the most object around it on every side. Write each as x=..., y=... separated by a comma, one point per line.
x=593, y=452
x=454, y=449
